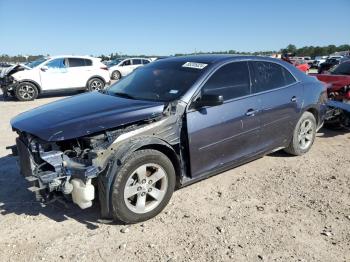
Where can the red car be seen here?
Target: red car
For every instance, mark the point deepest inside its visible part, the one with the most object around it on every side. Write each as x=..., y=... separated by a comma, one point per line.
x=339, y=78
x=304, y=67
x=338, y=91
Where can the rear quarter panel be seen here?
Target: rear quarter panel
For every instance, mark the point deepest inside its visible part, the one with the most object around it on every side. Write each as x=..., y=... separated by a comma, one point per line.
x=315, y=98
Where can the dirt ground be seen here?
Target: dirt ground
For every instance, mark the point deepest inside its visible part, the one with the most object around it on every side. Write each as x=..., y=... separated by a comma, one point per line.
x=278, y=208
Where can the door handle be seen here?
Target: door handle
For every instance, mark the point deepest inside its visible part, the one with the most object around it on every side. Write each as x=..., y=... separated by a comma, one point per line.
x=293, y=99
x=251, y=112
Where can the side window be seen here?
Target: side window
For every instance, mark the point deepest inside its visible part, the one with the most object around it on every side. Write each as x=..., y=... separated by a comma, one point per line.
x=56, y=63
x=267, y=76
x=136, y=62
x=127, y=63
x=288, y=78
x=230, y=81
x=145, y=61
x=76, y=62
x=88, y=62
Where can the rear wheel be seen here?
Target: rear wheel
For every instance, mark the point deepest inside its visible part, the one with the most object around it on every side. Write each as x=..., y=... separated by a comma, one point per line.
x=143, y=186
x=303, y=135
x=26, y=91
x=95, y=84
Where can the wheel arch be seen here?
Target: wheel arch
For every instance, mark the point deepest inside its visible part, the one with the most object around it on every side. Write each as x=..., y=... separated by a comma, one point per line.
x=313, y=110
x=95, y=76
x=170, y=153
x=32, y=82
x=115, y=160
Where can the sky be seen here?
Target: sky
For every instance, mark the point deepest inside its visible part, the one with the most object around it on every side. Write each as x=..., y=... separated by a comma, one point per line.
x=164, y=27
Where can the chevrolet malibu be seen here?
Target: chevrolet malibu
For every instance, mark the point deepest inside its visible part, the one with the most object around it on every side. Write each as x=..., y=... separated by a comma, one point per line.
x=166, y=125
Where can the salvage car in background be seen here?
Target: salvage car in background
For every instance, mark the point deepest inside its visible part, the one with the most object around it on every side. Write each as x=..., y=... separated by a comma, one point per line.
x=330, y=62
x=57, y=73
x=166, y=125
x=126, y=66
x=318, y=60
x=338, y=79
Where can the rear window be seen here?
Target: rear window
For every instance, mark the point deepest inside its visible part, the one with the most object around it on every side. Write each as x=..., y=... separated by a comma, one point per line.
x=269, y=76
x=77, y=62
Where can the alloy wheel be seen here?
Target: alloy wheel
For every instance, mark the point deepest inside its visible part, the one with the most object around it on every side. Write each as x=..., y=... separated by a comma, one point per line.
x=116, y=75
x=96, y=85
x=145, y=188
x=27, y=92
x=305, y=136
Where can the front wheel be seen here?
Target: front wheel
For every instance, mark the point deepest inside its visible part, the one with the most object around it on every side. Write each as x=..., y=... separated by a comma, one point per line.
x=303, y=136
x=26, y=91
x=143, y=186
x=116, y=75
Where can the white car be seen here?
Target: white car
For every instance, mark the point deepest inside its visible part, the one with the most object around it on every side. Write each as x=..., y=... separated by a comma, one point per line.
x=126, y=66
x=58, y=73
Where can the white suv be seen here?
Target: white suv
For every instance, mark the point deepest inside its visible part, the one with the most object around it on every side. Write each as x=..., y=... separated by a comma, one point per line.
x=59, y=73
x=123, y=67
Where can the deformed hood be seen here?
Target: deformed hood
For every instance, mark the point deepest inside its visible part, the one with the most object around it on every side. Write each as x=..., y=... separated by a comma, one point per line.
x=12, y=69
x=84, y=114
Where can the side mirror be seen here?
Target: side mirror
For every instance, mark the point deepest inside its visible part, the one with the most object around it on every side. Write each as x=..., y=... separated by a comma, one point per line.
x=208, y=100
x=44, y=68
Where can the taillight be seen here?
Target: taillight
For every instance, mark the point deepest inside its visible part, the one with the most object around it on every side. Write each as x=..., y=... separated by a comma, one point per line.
x=104, y=67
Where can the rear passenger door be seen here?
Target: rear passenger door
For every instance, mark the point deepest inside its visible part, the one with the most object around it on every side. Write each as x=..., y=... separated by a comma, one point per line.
x=79, y=71
x=228, y=133
x=280, y=98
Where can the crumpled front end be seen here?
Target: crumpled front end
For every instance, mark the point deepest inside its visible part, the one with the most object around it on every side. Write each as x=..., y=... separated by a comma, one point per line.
x=56, y=168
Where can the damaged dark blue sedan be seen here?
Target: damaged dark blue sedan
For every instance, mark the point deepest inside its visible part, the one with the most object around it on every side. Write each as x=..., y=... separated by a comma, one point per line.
x=166, y=125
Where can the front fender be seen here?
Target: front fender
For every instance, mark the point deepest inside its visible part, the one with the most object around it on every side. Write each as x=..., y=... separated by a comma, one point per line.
x=114, y=163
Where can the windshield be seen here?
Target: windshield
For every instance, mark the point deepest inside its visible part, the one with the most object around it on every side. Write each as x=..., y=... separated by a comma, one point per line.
x=114, y=62
x=341, y=69
x=159, y=81
x=36, y=62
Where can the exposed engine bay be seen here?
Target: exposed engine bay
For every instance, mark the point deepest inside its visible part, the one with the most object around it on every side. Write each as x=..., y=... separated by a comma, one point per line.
x=7, y=81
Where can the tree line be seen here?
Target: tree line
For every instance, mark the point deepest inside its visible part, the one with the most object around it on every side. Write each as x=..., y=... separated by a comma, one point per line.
x=303, y=51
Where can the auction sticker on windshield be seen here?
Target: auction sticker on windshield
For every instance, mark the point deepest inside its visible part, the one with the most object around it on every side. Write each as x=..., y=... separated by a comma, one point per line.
x=194, y=65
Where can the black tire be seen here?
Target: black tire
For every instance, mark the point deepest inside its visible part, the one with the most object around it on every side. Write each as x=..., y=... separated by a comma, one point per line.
x=26, y=91
x=116, y=75
x=95, y=84
x=120, y=210
x=295, y=147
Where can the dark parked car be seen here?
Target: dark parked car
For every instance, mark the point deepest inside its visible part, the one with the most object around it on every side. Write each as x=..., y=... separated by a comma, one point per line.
x=331, y=62
x=168, y=124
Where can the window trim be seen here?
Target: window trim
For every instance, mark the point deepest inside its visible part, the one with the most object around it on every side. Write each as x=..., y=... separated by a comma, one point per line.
x=190, y=107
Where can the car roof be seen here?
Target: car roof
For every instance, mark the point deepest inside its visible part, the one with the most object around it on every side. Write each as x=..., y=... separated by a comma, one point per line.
x=218, y=58
x=73, y=56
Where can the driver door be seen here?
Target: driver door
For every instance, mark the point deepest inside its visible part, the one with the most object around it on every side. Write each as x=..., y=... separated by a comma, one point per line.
x=53, y=75
x=226, y=134
x=126, y=67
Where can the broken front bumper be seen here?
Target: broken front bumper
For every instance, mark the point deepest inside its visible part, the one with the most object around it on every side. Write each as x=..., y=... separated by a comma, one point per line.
x=51, y=172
